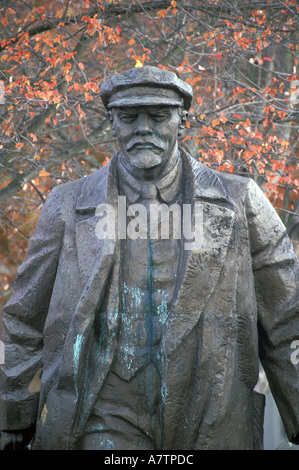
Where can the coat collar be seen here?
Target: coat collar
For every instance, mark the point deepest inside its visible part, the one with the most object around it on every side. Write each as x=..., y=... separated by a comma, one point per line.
x=205, y=183
x=101, y=186
x=98, y=188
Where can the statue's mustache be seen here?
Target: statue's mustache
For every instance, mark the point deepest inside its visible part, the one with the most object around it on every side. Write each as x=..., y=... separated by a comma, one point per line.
x=148, y=143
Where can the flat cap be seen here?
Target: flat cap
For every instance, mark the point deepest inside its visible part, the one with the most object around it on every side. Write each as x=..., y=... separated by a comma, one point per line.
x=146, y=86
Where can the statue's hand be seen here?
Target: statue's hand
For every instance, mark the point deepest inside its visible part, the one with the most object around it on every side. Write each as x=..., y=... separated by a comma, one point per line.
x=295, y=439
x=17, y=440
x=13, y=441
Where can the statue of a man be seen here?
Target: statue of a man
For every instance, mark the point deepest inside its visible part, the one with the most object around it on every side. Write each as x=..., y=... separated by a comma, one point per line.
x=149, y=292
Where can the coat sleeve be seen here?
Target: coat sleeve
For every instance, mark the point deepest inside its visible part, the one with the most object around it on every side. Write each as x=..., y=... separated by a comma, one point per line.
x=24, y=317
x=276, y=272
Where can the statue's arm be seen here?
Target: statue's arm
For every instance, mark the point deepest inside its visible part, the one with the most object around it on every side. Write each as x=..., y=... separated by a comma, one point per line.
x=23, y=322
x=276, y=272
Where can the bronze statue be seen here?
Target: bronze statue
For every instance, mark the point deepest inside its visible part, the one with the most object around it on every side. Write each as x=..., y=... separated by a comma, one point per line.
x=149, y=292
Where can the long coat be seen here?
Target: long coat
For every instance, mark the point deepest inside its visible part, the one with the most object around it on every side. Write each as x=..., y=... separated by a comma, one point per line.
x=237, y=302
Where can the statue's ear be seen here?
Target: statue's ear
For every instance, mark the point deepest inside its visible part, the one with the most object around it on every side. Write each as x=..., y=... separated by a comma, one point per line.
x=182, y=125
x=110, y=114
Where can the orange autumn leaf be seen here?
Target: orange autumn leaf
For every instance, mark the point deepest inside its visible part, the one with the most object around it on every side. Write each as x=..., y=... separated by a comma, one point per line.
x=162, y=13
x=33, y=137
x=43, y=173
x=107, y=159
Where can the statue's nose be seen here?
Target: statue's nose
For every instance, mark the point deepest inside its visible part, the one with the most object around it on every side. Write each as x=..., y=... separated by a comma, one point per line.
x=143, y=125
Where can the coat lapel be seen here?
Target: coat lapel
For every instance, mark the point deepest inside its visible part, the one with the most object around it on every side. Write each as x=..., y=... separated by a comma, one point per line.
x=99, y=188
x=200, y=269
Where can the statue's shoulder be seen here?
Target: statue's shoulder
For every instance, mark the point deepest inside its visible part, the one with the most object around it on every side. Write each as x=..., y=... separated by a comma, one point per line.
x=236, y=180
x=212, y=183
x=79, y=195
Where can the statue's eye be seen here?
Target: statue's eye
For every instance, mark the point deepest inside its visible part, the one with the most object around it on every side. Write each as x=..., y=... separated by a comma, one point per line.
x=159, y=117
x=128, y=118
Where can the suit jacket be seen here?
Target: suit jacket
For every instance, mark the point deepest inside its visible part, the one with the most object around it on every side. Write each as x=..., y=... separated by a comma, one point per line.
x=237, y=302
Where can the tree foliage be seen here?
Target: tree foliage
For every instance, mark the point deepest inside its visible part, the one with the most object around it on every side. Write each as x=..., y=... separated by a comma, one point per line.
x=240, y=57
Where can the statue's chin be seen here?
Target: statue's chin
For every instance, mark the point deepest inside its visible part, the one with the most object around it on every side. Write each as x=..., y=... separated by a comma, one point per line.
x=146, y=160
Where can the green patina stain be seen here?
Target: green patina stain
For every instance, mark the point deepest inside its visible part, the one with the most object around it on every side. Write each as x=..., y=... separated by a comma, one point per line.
x=76, y=357
x=143, y=316
x=156, y=358
x=150, y=299
x=160, y=136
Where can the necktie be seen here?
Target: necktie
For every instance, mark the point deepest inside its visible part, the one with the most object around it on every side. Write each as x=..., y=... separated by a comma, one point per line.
x=148, y=192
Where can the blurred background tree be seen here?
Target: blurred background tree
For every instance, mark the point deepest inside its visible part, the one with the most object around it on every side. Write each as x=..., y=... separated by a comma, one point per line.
x=240, y=57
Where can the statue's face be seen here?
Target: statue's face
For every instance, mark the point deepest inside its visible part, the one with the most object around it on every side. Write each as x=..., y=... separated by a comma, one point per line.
x=147, y=135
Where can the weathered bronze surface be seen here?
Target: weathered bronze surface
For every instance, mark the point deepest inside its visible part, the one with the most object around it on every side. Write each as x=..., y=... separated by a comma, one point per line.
x=150, y=291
